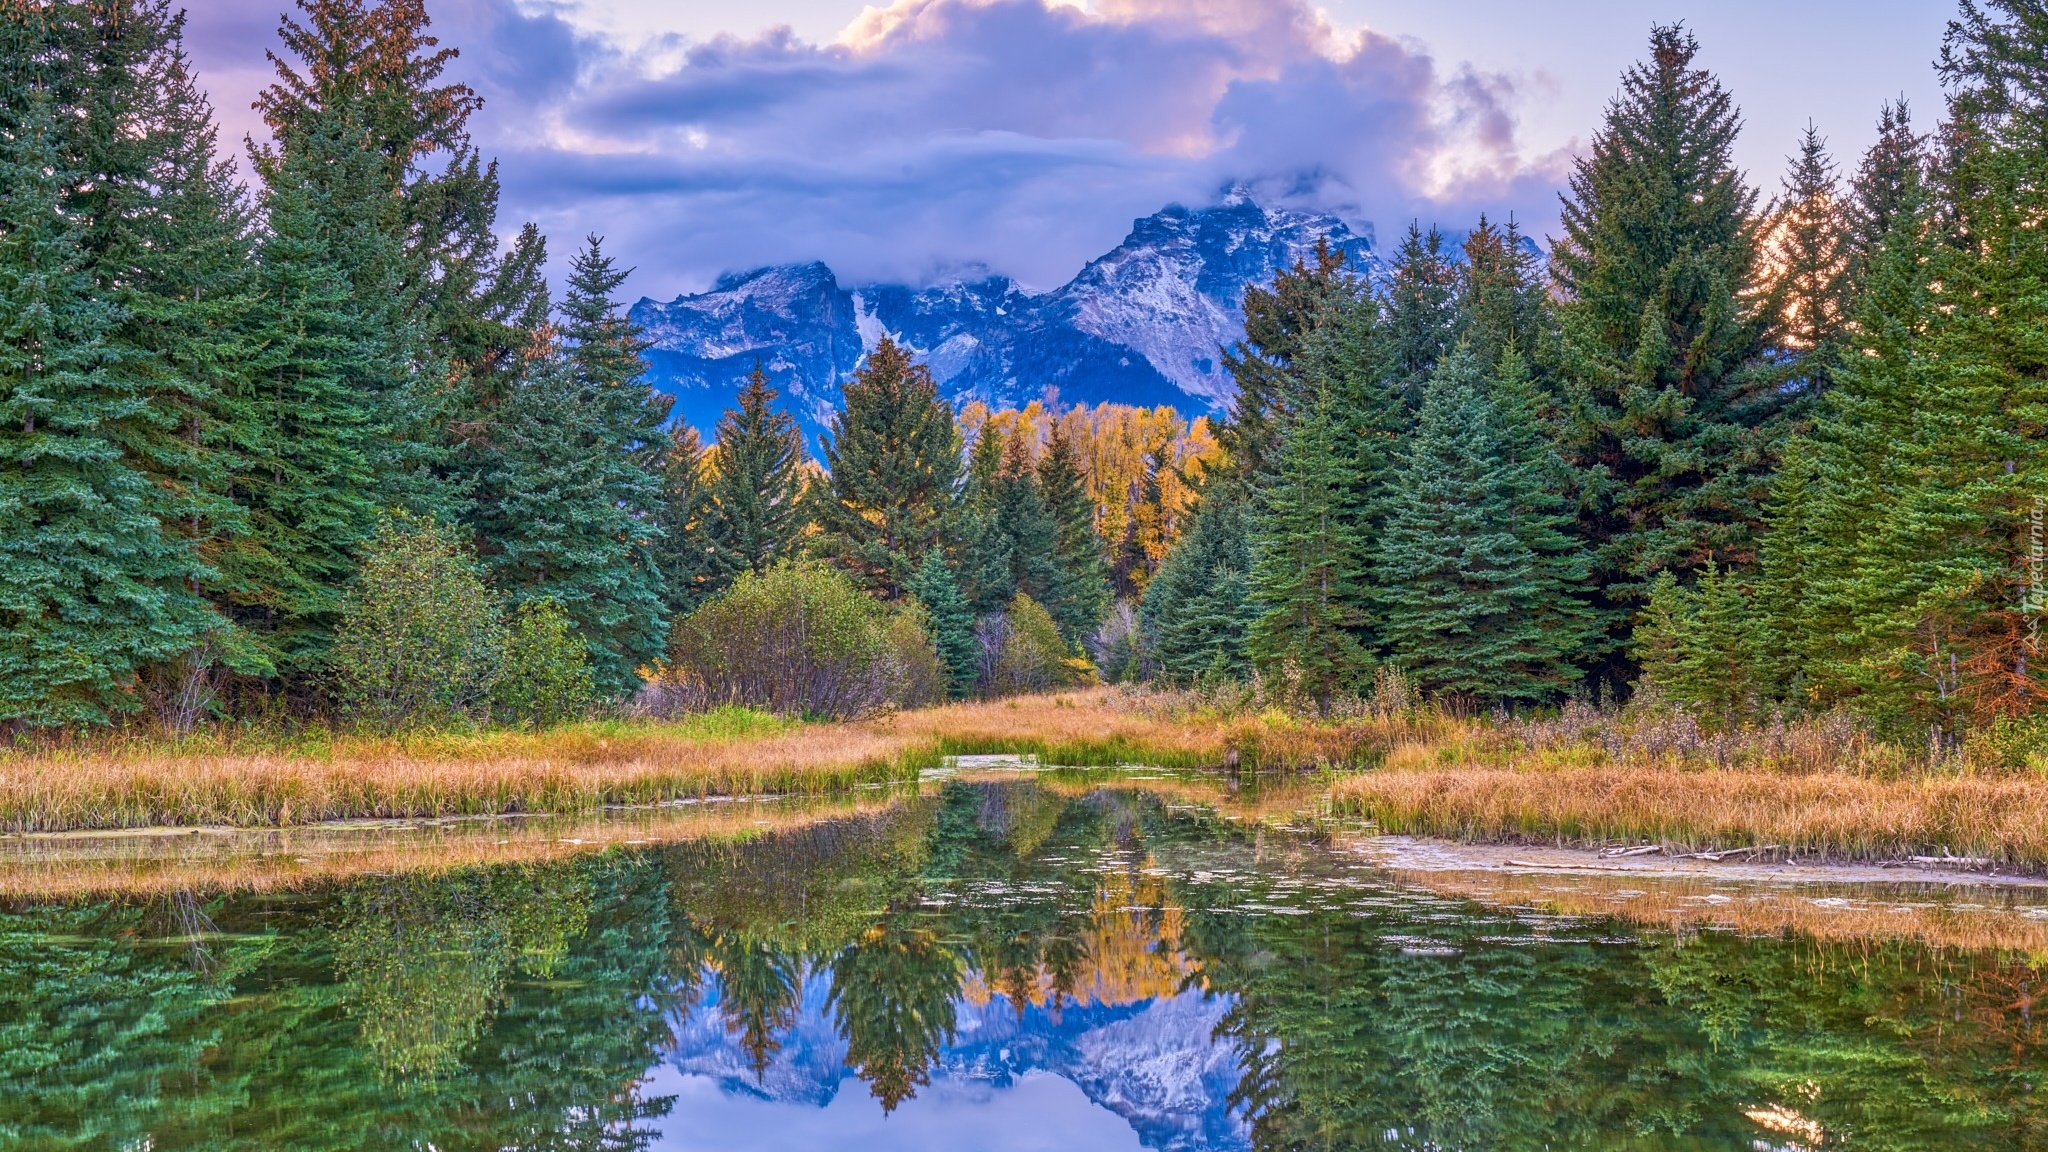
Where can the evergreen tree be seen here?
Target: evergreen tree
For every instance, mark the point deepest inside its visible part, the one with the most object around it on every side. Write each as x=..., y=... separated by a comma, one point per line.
x=561, y=518
x=1196, y=612
x=1891, y=178
x=1480, y=577
x=1030, y=535
x=893, y=461
x=1813, y=262
x=752, y=521
x=952, y=622
x=683, y=552
x=1307, y=557
x=984, y=550
x=1278, y=322
x=1671, y=415
x=303, y=441
x=1500, y=300
x=1421, y=307
x=1079, y=592
x=91, y=587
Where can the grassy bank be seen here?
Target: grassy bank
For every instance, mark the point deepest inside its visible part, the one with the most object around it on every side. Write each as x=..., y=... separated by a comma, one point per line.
x=1828, y=816
x=269, y=779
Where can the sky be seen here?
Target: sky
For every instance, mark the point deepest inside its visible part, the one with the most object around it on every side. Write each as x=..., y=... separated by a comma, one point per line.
x=920, y=139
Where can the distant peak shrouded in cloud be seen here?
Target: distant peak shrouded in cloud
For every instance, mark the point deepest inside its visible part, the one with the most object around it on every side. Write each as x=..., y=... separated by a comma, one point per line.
x=932, y=135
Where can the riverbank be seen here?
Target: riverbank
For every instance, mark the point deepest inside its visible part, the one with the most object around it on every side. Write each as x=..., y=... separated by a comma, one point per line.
x=268, y=780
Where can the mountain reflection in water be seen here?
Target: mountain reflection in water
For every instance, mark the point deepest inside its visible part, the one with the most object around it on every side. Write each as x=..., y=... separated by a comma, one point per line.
x=999, y=966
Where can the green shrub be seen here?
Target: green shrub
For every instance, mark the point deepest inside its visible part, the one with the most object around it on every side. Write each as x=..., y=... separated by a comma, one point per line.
x=420, y=641
x=797, y=640
x=546, y=677
x=1022, y=651
x=921, y=677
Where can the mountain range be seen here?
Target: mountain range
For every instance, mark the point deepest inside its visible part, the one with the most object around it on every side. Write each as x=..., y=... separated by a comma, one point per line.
x=1145, y=323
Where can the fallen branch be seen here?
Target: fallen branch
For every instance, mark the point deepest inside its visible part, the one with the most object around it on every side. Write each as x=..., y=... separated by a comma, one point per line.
x=1952, y=861
x=1638, y=850
x=1727, y=852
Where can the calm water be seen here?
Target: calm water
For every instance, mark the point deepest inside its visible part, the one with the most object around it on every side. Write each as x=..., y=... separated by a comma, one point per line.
x=989, y=966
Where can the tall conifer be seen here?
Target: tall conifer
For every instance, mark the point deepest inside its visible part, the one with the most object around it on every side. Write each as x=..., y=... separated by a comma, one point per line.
x=1195, y=611
x=683, y=552
x=752, y=518
x=1080, y=586
x=91, y=587
x=893, y=459
x=1812, y=258
x=1421, y=307
x=952, y=621
x=1481, y=579
x=1672, y=415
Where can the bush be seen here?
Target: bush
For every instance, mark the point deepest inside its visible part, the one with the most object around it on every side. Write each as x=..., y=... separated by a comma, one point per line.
x=546, y=677
x=420, y=641
x=797, y=640
x=920, y=676
x=1022, y=652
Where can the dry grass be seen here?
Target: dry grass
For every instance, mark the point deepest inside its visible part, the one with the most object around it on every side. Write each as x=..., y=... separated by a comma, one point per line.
x=270, y=781
x=1835, y=914
x=1828, y=816
x=572, y=770
x=72, y=865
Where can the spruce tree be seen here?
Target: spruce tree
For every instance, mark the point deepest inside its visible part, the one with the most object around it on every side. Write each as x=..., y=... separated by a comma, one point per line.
x=1671, y=413
x=1891, y=178
x=1421, y=307
x=1500, y=299
x=1196, y=612
x=303, y=442
x=952, y=622
x=1813, y=262
x=1030, y=534
x=1482, y=583
x=1278, y=322
x=1307, y=557
x=752, y=518
x=91, y=587
x=893, y=461
x=683, y=552
x=558, y=516
x=983, y=549
x=1079, y=593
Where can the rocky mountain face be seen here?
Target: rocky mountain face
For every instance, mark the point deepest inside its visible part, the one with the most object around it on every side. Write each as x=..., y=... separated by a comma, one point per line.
x=1142, y=324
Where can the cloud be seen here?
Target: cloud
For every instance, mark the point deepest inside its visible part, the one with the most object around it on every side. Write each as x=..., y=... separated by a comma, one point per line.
x=1023, y=135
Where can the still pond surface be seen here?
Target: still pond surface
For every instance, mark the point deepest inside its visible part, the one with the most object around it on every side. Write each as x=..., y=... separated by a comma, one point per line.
x=994, y=965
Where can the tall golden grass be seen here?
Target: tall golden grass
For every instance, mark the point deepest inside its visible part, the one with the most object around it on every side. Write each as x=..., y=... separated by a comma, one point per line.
x=1830, y=816
x=269, y=781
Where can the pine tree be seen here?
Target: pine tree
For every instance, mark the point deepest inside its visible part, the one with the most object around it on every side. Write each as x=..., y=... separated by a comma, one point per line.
x=952, y=622
x=752, y=519
x=1196, y=612
x=1421, y=307
x=1891, y=178
x=1079, y=593
x=556, y=519
x=1812, y=262
x=683, y=553
x=1500, y=301
x=1307, y=558
x=1277, y=324
x=893, y=461
x=1030, y=535
x=91, y=587
x=302, y=442
x=983, y=549
x=1481, y=581
x=1671, y=415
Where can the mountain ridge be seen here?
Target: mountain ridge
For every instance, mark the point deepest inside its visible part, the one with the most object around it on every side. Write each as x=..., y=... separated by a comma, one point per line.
x=1144, y=323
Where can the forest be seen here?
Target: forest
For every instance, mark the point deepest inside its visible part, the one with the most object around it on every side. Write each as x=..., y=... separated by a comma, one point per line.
x=322, y=449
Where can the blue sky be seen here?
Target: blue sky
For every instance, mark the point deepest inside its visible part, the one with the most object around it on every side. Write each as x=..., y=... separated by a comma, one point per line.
x=909, y=140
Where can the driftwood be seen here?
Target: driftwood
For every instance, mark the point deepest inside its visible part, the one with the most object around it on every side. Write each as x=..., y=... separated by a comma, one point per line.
x=1638, y=850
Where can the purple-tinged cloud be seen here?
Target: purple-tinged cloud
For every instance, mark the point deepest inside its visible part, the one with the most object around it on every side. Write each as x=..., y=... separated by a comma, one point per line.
x=1021, y=135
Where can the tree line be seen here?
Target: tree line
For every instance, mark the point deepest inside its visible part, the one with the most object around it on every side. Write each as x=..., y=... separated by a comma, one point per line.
x=326, y=442
x=1761, y=457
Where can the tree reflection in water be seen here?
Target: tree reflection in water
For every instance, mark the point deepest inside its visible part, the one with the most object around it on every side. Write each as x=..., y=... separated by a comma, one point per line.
x=524, y=1006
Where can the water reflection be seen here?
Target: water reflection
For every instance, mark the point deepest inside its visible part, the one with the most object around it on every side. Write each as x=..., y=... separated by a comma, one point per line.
x=989, y=965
